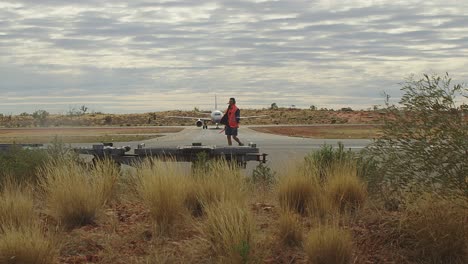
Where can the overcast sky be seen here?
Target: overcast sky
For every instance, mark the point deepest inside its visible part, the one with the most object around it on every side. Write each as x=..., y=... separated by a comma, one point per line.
x=141, y=56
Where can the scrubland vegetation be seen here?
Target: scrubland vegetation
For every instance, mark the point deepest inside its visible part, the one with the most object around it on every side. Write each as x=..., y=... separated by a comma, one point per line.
x=280, y=115
x=318, y=212
x=391, y=203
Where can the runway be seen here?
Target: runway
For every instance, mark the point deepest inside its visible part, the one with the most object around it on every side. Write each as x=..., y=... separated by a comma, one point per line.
x=282, y=150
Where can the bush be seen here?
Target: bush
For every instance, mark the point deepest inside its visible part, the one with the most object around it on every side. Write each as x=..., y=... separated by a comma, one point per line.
x=424, y=144
x=263, y=175
x=329, y=244
x=21, y=164
x=435, y=230
x=322, y=160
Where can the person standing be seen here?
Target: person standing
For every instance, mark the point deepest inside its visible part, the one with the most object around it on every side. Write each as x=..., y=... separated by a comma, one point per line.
x=233, y=116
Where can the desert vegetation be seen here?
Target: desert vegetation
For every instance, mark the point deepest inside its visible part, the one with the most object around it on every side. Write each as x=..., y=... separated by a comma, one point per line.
x=319, y=212
x=389, y=204
x=280, y=115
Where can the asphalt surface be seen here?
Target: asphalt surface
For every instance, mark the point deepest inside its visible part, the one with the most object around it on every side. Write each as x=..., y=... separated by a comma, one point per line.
x=283, y=151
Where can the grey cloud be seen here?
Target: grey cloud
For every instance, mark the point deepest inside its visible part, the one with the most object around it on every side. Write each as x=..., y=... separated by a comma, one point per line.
x=236, y=46
x=76, y=44
x=458, y=22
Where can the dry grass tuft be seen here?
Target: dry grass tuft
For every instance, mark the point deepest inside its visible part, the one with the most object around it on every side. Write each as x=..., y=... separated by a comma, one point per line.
x=161, y=186
x=302, y=194
x=346, y=190
x=16, y=206
x=27, y=245
x=220, y=182
x=74, y=195
x=290, y=229
x=329, y=244
x=436, y=230
x=229, y=231
x=109, y=172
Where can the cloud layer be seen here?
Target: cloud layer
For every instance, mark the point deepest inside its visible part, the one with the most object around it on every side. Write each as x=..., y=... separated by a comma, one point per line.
x=141, y=56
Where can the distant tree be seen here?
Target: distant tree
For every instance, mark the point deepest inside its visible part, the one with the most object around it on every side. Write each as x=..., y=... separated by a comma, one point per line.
x=83, y=109
x=108, y=120
x=40, y=116
x=346, y=109
x=313, y=107
x=73, y=112
x=24, y=114
x=274, y=106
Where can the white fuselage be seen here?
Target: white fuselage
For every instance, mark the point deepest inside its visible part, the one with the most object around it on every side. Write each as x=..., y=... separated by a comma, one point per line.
x=216, y=116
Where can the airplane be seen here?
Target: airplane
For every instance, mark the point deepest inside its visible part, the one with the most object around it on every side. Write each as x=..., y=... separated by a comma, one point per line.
x=215, y=117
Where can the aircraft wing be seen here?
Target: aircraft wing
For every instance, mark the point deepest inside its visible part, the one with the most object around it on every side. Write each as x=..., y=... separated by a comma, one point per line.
x=191, y=117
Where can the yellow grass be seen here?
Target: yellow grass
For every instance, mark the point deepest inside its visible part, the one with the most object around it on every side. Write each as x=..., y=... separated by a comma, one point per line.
x=300, y=192
x=108, y=171
x=436, y=230
x=329, y=244
x=75, y=195
x=229, y=231
x=27, y=245
x=345, y=189
x=161, y=187
x=219, y=182
x=290, y=229
x=16, y=206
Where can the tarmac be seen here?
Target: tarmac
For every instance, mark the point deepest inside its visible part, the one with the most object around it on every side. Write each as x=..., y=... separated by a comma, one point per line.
x=283, y=151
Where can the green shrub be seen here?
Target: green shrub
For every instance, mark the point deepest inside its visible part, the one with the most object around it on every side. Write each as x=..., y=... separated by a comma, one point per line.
x=322, y=160
x=263, y=177
x=424, y=146
x=21, y=164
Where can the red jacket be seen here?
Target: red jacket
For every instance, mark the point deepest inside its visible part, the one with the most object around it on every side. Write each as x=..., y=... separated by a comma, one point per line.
x=233, y=116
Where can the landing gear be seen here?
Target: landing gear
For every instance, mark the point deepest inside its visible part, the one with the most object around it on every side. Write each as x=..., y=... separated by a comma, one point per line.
x=205, y=125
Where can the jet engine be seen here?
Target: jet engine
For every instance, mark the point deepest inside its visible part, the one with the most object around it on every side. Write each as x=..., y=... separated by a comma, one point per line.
x=199, y=123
